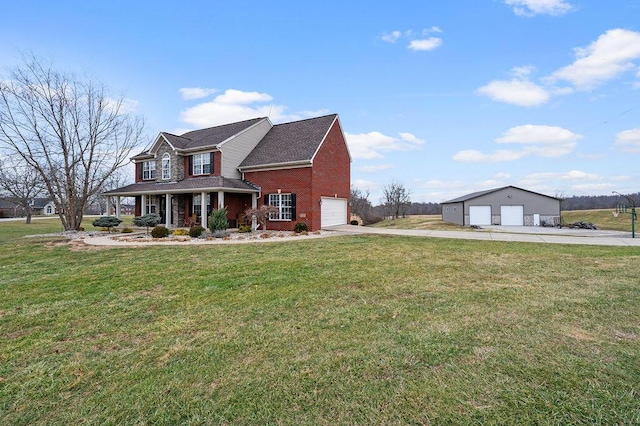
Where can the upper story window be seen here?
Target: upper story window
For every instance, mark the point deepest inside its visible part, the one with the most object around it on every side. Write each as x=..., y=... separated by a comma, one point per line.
x=202, y=164
x=284, y=203
x=149, y=170
x=166, y=166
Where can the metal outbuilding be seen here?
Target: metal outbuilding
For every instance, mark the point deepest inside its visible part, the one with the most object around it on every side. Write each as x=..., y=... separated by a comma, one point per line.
x=505, y=206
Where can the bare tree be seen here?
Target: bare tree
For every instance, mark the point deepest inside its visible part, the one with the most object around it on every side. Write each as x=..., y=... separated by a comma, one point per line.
x=361, y=206
x=21, y=183
x=68, y=130
x=396, y=199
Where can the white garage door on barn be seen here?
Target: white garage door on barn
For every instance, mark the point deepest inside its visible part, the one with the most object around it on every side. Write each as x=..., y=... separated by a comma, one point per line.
x=333, y=211
x=512, y=215
x=479, y=215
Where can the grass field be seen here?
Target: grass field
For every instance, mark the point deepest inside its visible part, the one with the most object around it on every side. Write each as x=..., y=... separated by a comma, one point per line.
x=341, y=330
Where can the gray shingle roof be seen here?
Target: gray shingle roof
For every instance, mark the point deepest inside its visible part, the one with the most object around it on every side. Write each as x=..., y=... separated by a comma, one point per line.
x=211, y=136
x=488, y=191
x=206, y=183
x=290, y=142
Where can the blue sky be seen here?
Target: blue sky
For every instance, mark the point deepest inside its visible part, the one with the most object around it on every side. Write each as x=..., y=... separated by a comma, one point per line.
x=444, y=96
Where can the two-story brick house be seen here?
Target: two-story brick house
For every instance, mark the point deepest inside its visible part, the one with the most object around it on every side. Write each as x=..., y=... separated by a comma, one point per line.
x=302, y=167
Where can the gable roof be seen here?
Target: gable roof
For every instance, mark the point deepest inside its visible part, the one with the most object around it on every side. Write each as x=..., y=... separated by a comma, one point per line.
x=489, y=191
x=294, y=142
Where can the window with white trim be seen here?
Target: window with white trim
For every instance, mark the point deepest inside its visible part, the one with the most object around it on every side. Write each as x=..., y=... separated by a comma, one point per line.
x=202, y=164
x=197, y=203
x=166, y=166
x=149, y=170
x=150, y=206
x=49, y=209
x=284, y=203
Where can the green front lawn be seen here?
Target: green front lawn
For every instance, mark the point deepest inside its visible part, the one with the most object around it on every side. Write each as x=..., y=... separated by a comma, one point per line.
x=341, y=330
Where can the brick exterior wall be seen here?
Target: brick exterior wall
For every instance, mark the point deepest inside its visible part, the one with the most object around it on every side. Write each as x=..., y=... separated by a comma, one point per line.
x=332, y=171
x=330, y=176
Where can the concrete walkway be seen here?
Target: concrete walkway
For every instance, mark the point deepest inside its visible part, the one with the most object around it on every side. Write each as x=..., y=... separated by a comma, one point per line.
x=526, y=234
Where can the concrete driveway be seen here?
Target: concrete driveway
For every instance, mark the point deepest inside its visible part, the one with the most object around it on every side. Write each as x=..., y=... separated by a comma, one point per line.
x=526, y=234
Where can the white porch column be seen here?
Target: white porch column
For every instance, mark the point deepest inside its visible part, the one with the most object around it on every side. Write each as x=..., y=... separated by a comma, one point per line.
x=167, y=210
x=220, y=200
x=203, y=208
x=108, y=206
x=118, y=206
x=143, y=205
x=254, y=205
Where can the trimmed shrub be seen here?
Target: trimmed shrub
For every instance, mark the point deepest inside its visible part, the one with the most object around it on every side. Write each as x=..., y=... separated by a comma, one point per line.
x=107, y=222
x=126, y=230
x=300, y=227
x=196, y=231
x=244, y=228
x=354, y=222
x=181, y=232
x=218, y=220
x=147, y=220
x=220, y=234
x=160, y=232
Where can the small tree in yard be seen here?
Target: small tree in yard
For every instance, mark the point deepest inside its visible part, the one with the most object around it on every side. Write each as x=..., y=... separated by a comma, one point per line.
x=148, y=220
x=262, y=214
x=396, y=199
x=218, y=220
x=107, y=222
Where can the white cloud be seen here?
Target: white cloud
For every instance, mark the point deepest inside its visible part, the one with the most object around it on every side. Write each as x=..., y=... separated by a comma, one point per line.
x=629, y=140
x=122, y=106
x=426, y=44
x=375, y=168
x=535, y=134
x=539, y=7
x=594, y=187
x=189, y=93
x=391, y=37
x=369, y=146
x=517, y=92
x=543, y=141
x=365, y=185
x=473, y=156
x=572, y=175
x=604, y=59
x=236, y=105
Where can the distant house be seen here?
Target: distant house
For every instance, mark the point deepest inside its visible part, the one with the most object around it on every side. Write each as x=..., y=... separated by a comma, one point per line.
x=505, y=206
x=302, y=168
x=127, y=209
x=9, y=207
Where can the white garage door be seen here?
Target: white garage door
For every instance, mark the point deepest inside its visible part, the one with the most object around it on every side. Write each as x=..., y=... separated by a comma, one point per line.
x=333, y=211
x=479, y=215
x=512, y=215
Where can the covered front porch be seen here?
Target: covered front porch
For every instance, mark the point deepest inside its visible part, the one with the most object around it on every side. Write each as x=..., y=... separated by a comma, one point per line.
x=183, y=204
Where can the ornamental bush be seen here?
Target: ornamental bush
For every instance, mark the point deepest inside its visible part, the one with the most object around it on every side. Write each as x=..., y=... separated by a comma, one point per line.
x=107, y=222
x=147, y=220
x=218, y=220
x=196, y=231
x=244, y=228
x=181, y=232
x=126, y=230
x=160, y=232
x=300, y=227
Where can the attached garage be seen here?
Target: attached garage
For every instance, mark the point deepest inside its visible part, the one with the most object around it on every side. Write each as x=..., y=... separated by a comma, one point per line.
x=512, y=215
x=479, y=215
x=508, y=205
x=333, y=211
